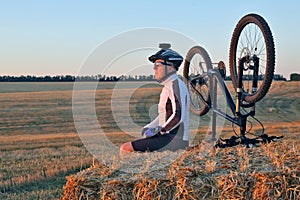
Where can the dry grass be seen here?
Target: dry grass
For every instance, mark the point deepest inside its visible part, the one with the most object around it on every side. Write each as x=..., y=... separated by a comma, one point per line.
x=39, y=146
x=269, y=172
x=33, y=166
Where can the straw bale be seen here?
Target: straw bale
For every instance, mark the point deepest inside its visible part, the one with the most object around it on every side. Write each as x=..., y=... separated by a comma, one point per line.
x=271, y=171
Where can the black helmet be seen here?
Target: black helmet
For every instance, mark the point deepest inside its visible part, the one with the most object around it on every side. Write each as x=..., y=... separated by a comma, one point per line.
x=167, y=55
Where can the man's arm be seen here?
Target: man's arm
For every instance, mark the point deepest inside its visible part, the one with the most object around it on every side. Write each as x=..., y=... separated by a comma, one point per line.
x=153, y=124
x=175, y=108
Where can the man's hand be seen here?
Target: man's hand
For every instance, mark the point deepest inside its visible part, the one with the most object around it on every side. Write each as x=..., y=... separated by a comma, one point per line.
x=150, y=132
x=144, y=130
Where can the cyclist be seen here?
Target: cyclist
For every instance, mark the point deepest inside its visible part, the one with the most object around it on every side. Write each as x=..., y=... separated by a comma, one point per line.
x=170, y=129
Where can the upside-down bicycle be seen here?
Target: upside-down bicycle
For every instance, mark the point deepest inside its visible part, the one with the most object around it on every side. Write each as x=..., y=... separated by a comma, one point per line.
x=251, y=62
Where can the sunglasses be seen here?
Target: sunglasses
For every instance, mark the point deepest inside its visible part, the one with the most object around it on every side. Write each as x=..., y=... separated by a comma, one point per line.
x=161, y=63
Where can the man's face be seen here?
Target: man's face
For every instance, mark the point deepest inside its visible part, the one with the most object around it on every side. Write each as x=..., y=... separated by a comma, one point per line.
x=159, y=69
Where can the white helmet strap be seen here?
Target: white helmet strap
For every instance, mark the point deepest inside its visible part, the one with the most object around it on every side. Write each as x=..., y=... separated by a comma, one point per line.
x=167, y=73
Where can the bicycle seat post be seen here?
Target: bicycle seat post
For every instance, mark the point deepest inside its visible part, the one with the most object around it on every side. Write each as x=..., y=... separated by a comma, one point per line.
x=214, y=96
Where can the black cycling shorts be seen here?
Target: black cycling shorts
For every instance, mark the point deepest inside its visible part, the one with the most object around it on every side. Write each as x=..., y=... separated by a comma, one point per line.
x=159, y=143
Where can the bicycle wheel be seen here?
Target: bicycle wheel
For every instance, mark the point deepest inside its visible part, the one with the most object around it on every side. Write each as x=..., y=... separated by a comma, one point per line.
x=196, y=65
x=252, y=37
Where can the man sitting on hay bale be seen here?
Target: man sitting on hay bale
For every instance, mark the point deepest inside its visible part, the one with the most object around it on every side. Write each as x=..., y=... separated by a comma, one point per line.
x=170, y=129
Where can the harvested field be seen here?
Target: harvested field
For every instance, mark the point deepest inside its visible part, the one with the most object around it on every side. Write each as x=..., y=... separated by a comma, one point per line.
x=39, y=147
x=267, y=171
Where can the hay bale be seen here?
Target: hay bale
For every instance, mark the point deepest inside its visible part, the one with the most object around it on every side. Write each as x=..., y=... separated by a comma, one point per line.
x=271, y=171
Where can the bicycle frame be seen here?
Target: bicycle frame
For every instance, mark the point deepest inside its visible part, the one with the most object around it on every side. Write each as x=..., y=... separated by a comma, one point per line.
x=238, y=118
x=203, y=81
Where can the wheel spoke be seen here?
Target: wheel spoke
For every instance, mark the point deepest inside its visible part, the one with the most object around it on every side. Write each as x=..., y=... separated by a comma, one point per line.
x=194, y=71
x=252, y=37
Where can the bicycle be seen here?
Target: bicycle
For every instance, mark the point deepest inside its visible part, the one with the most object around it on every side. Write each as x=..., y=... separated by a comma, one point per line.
x=251, y=62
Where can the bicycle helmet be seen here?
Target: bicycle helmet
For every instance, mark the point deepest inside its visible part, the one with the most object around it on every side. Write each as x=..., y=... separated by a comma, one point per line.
x=167, y=55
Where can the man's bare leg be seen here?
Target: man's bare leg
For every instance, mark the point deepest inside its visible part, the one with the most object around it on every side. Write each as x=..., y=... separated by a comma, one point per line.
x=126, y=148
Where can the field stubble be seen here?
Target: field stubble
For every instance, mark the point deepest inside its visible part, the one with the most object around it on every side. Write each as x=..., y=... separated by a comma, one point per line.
x=39, y=145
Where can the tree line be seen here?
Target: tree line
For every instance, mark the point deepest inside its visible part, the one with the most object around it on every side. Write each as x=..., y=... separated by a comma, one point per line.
x=103, y=78
x=70, y=78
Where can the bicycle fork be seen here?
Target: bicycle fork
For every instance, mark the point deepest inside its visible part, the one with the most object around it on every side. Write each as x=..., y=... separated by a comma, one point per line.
x=242, y=119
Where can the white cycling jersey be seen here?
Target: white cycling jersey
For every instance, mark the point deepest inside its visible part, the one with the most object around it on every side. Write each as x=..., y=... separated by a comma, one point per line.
x=173, y=108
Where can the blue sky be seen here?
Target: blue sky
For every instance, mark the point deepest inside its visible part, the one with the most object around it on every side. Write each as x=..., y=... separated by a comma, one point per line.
x=56, y=37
